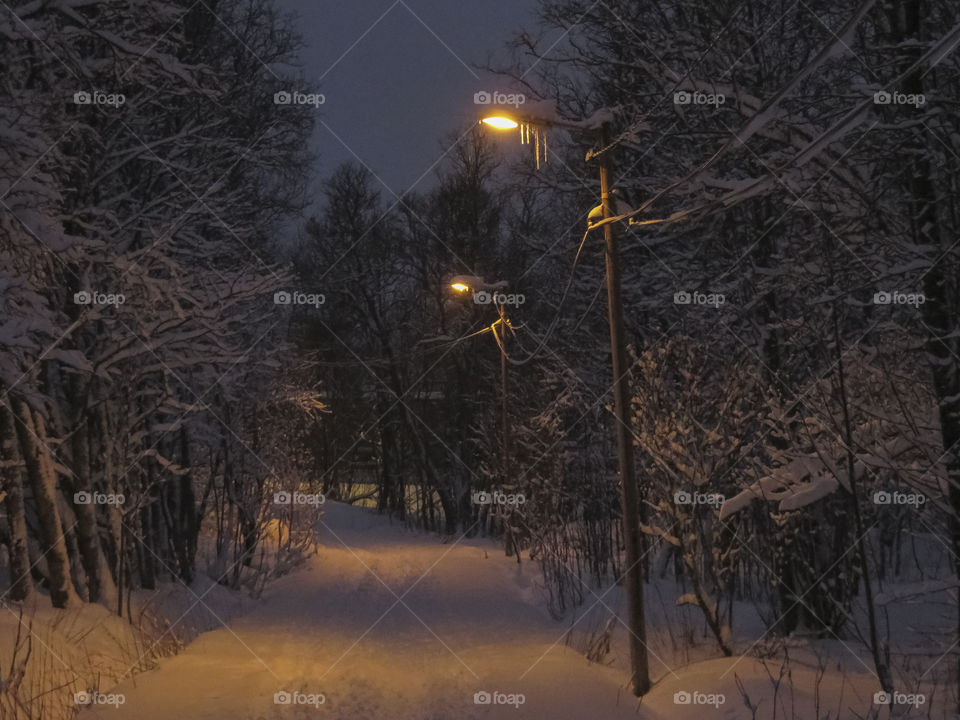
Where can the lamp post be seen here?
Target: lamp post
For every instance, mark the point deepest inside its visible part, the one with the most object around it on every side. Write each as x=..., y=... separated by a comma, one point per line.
x=472, y=284
x=632, y=576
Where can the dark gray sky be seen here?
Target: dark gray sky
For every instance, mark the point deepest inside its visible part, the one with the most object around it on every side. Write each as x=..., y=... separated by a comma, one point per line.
x=399, y=76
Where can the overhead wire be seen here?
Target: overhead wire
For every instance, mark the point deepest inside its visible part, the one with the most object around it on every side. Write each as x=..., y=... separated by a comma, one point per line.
x=441, y=344
x=556, y=318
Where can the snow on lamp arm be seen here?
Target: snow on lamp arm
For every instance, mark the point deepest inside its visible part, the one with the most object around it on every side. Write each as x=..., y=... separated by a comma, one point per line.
x=465, y=283
x=539, y=117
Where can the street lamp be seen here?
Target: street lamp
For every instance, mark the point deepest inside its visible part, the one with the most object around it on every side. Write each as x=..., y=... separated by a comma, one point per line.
x=633, y=580
x=501, y=122
x=463, y=284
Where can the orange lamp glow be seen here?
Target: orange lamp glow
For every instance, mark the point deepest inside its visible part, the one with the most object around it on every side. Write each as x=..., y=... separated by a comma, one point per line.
x=501, y=122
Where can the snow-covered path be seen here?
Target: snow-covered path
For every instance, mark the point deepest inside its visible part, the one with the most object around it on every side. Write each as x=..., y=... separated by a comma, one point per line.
x=383, y=623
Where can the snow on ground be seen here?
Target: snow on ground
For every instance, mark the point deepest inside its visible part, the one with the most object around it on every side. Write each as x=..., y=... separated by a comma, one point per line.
x=89, y=647
x=383, y=623
x=387, y=623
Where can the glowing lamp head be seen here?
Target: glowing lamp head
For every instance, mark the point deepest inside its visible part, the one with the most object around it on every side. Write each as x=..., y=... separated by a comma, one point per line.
x=501, y=122
x=460, y=287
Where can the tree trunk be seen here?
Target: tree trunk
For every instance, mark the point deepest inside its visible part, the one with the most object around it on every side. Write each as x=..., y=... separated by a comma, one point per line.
x=31, y=432
x=190, y=517
x=147, y=547
x=87, y=535
x=21, y=586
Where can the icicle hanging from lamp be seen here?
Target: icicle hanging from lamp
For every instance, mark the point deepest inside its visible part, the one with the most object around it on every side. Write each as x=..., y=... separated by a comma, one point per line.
x=538, y=140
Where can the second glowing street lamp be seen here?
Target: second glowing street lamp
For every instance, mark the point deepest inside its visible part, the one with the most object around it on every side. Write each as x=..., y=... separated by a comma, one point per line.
x=632, y=576
x=472, y=284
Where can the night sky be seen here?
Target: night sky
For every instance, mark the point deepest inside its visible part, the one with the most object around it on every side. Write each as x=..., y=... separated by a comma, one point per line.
x=399, y=77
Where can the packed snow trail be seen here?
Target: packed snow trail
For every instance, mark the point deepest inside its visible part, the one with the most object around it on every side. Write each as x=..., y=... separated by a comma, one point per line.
x=468, y=620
